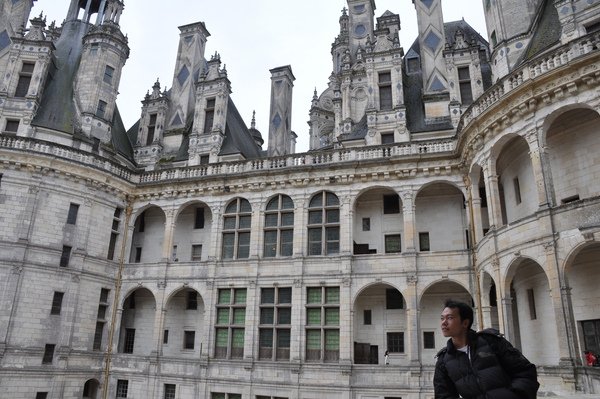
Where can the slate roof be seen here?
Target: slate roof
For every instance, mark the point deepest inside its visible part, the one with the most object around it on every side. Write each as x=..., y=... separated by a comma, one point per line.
x=238, y=139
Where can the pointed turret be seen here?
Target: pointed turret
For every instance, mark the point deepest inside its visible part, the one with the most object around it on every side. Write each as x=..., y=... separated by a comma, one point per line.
x=105, y=51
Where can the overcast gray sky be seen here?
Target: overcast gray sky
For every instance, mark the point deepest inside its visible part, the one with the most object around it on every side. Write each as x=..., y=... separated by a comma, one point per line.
x=252, y=37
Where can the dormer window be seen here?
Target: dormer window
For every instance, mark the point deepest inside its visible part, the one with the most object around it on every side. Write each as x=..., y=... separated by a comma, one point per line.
x=24, y=79
x=413, y=65
x=385, y=91
x=151, y=129
x=209, y=115
x=464, y=79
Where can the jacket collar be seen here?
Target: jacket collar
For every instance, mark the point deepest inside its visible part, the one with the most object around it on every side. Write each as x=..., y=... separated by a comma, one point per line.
x=471, y=341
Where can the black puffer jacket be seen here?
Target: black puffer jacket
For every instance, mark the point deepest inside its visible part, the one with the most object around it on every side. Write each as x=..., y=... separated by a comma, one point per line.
x=496, y=370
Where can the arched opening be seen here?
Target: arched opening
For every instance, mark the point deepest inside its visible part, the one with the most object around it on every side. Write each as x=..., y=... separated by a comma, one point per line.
x=441, y=219
x=148, y=235
x=533, y=318
x=489, y=302
x=516, y=182
x=90, y=389
x=574, y=132
x=184, y=325
x=583, y=279
x=137, y=323
x=192, y=235
x=378, y=222
x=379, y=325
x=431, y=307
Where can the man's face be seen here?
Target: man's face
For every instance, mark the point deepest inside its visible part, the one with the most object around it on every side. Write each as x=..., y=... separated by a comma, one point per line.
x=451, y=324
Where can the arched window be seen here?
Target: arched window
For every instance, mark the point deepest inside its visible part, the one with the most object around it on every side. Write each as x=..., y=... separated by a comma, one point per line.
x=324, y=224
x=279, y=227
x=237, y=220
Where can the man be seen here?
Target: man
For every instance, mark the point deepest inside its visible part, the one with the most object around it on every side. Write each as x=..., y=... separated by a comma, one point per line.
x=479, y=364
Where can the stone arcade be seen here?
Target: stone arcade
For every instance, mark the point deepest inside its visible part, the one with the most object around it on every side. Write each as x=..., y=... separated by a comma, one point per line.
x=181, y=259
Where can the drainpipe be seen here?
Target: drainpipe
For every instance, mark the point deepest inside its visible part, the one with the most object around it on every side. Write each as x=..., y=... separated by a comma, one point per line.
x=118, y=283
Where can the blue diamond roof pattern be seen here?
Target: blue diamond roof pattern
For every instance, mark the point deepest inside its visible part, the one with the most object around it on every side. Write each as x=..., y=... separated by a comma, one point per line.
x=432, y=41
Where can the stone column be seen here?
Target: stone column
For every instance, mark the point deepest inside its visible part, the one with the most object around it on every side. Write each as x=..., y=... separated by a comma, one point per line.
x=346, y=225
x=117, y=327
x=476, y=207
x=536, y=164
x=160, y=316
x=217, y=229
x=493, y=194
x=168, y=235
x=410, y=225
x=346, y=320
x=256, y=229
x=506, y=319
x=300, y=215
x=298, y=317
x=562, y=311
x=412, y=320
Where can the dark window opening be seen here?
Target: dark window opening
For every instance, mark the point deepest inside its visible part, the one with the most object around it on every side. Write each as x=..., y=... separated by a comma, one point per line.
x=170, y=391
x=393, y=244
x=72, y=215
x=12, y=126
x=424, y=242
x=98, y=333
x=209, y=115
x=393, y=299
x=166, y=337
x=108, y=74
x=65, y=256
x=367, y=317
x=413, y=65
x=129, y=340
x=24, y=79
x=395, y=342
x=387, y=138
x=199, y=219
x=385, y=91
x=122, y=388
x=531, y=300
x=138, y=255
x=57, y=303
x=391, y=204
x=517, y=188
x=466, y=91
x=48, y=354
x=366, y=224
x=151, y=129
x=188, y=339
x=101, y=109
x=192, y=300
x=428, y=340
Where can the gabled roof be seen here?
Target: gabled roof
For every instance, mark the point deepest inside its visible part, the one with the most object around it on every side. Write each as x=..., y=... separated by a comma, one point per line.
x=238, y=139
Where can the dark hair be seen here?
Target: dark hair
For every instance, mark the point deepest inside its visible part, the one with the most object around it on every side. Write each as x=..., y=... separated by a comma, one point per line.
x=465, y=311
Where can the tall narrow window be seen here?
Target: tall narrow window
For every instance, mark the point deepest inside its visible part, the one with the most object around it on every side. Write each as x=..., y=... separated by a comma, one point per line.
x=12, y=126
x=138, y=255
x=48, y=354
x=385, y=91
x=122, y=388
x=101, y=319
x=464, y=80
x=531, y=300
x=367, y=317
x=230, y=324
x=24, y=79
x=209, y=115
x=72, y=215
x=323, y=324
x=424, y=242
x=129, y=340
x=151, y=129
x=57, y=303
x=101, y=109
x=114, y=233
x=591, y=335
x=199, y=218
x=517, y=188
x=279, y=227
x=65, y=256
x=324, y=224
x=170, y=391
x=141, y=222
x=108, y=74
x=275, y=323
x=236, y=229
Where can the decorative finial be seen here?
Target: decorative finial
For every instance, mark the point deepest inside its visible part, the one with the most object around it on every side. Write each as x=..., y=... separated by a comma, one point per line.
x=253, y=124
x=344, y=11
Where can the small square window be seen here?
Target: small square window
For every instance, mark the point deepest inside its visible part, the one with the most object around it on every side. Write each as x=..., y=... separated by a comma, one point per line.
x=391, y=204
x=393, y=243
x=204, y=159
x=424, y=242
x=428, y=340
x=12, y=126
x=188, y=339
x=170, y=391
x=395, y=342
x=122, y=388
x=196, y=252
x=367, y=317
x=366, y=224
x=387, y=138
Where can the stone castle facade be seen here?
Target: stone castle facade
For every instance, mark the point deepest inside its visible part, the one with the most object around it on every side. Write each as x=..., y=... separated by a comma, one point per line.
x=180, y=259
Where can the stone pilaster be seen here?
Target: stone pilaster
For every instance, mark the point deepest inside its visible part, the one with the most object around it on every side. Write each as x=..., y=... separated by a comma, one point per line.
x=538, y=170
x=408, y=213
x=493, y=194
x=412, y=320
